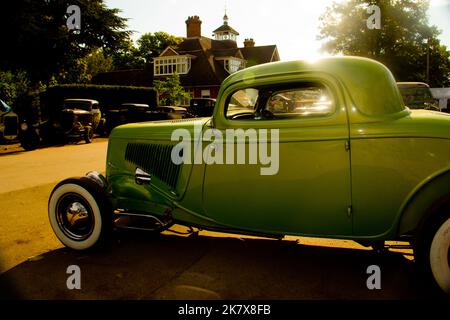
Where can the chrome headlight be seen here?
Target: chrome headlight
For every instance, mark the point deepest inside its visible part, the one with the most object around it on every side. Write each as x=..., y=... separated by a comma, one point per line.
x=24, y=126
x=2, y=127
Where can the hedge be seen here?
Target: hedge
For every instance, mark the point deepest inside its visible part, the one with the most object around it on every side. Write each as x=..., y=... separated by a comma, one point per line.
x=109, y=96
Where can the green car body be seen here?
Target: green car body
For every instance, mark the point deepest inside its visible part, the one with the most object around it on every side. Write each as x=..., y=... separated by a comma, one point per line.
x=369, y=170
x=321, y=149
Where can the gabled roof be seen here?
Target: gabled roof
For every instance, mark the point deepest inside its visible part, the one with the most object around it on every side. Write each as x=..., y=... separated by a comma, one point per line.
x=206, y=69
x=168, y=52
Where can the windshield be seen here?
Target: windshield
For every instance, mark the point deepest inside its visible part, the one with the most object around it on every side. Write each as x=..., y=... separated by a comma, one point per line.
x=244, y=99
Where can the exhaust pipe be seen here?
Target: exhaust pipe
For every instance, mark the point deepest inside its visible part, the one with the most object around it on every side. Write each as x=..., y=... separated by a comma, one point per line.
x=139, y=221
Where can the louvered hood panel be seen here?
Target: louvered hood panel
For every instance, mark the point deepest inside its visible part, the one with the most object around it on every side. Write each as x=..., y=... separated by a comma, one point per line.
x=154, y=159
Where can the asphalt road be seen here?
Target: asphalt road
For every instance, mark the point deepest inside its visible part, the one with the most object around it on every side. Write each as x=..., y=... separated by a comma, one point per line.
x=137, y=265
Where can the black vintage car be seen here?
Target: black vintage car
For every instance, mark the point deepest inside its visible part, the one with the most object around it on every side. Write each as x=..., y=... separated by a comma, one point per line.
x=172, y=112
x=201, y=107
x=78, y=119
x=140, y=112
x=9, y=124
x=417, y=95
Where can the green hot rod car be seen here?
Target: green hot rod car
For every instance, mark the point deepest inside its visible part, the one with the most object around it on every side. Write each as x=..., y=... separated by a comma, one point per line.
x=321, y=149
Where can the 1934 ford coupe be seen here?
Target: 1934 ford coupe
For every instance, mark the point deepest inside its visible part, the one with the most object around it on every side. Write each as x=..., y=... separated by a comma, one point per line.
x=321, y=149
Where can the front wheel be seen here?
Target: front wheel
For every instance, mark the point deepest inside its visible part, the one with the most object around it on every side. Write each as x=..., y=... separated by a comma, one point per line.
x=31, y=140
x=88, y=134
x=80, y=214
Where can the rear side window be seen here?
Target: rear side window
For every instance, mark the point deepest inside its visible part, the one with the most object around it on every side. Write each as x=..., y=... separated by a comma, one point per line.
x=295, y=102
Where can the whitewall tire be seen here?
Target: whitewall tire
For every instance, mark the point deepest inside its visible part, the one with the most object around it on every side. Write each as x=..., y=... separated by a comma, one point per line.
x=439, y=259
x=79, y=214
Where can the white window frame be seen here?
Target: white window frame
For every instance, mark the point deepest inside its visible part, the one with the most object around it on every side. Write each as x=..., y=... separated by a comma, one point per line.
x=225, y=35
x=166, y=66
x=233, y=65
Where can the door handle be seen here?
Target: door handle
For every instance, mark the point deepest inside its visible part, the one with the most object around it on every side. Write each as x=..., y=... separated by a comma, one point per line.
x=141, y=177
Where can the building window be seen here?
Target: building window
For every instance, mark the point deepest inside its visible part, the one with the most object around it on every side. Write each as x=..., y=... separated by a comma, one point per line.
x=165, y=66
x=206, y=94
x=225, y=35
x=233, y=64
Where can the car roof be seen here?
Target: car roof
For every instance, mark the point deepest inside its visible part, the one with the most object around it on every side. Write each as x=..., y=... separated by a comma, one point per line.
x=81, y=100
x=135, y=104
x=174, y=107
x=370, y=85
x=412, y=84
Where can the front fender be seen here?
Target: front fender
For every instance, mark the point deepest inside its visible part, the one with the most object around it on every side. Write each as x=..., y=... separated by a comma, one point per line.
x=435, y=191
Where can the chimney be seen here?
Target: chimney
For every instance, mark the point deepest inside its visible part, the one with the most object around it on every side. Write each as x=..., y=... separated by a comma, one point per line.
x=249, y=43
x=193, y=27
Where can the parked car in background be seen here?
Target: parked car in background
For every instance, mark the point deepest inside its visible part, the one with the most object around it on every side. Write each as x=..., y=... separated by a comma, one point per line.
x=131, y=113
x=417, y=95
x=9, y=124
x=201, y=107
x=172, y=112
x=78, y=119
x=348, y=161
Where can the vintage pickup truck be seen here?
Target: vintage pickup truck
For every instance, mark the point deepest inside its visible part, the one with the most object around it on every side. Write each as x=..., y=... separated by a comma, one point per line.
x=321, y=149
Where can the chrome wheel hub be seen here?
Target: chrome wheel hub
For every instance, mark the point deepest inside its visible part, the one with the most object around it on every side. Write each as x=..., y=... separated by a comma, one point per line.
x=75, y=217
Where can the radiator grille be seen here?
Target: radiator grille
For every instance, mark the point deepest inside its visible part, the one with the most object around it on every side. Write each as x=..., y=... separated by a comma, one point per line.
x=154, y=159
x=11, y=126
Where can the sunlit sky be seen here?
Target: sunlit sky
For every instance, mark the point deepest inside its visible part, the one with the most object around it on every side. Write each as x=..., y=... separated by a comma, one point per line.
x=293, y=25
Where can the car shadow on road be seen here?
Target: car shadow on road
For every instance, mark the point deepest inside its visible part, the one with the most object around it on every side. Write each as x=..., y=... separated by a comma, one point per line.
x=139, y=266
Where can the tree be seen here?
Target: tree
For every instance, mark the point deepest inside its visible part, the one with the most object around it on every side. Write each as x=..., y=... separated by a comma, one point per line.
x=170, y=92
x=151, y=45
x=87, y=67
x=402, y=43
x=13, y=85
x=127, y=57
x=38, y=40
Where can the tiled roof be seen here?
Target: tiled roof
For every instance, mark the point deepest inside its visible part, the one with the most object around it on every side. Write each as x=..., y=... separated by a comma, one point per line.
x=206, y=69
x=258, y=55
x=226, y=27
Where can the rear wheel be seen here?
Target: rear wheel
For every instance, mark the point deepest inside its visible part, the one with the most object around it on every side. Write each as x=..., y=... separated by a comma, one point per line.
x=439, y=256
x=80, y=214
x=432, y=250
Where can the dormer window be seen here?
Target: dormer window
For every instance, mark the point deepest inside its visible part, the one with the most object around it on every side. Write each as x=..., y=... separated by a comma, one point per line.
x=168, y=65
x=233, y=64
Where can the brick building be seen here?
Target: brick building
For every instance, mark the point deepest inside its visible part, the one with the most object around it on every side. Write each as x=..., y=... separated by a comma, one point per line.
x=202, y=63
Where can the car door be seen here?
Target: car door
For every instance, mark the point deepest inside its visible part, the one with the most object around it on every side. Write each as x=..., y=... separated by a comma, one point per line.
x=308, y=191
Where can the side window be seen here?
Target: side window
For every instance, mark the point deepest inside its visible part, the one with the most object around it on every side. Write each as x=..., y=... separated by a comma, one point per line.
x=289, y=102
x=311, y=101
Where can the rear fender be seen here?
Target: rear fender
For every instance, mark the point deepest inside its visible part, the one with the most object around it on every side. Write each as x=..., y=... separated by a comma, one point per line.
x=424, y=202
